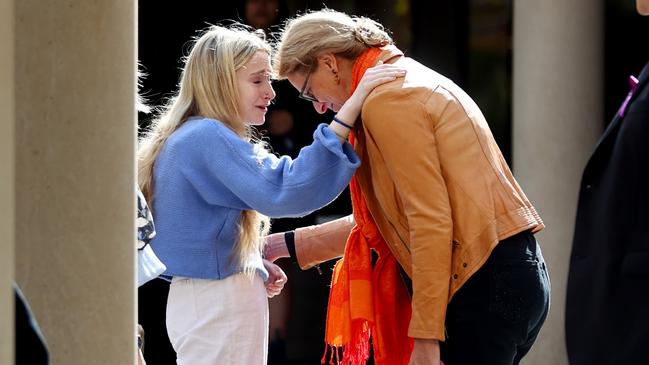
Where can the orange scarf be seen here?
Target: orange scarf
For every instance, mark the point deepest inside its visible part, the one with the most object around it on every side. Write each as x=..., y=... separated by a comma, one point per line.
x=365, y=301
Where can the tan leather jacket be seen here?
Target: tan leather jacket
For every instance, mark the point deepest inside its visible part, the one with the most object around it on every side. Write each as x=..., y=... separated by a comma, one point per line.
x=437, y=186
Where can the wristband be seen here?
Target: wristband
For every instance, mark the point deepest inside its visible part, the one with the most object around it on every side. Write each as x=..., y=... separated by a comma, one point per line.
x=289, y=239
x=342, y=123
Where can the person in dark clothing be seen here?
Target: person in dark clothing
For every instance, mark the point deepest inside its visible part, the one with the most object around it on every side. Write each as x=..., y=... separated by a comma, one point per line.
x=31, y=348
x=607, y=297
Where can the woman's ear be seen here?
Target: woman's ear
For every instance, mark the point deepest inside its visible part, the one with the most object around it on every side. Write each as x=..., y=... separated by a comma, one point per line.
x=329, y=61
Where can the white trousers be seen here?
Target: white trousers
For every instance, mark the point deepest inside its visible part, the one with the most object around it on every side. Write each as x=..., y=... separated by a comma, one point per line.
x=218, y=322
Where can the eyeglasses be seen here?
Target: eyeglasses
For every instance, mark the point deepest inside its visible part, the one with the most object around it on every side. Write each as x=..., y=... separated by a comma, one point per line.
x=304, y=96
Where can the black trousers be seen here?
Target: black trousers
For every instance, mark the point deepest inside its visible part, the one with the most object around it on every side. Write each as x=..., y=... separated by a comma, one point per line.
x=496, y=315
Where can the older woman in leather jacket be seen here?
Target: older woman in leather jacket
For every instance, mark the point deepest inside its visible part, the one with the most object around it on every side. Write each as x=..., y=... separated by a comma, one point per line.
x=433, y=197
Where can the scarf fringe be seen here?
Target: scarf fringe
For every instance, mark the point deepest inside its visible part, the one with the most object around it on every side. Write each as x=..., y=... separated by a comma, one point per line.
x=356, y=353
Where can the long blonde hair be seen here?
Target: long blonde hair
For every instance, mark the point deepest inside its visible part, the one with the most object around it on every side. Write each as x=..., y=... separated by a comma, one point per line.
x=306, y=37
x=208, y=88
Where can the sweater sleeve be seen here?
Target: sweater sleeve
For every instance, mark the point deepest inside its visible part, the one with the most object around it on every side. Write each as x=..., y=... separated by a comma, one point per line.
x=227, y=170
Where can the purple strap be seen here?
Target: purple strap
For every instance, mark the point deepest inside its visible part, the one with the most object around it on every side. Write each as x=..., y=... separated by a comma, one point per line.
x=633, y=82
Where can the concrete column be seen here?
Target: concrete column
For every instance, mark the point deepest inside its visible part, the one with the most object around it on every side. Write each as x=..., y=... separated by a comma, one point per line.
x=557, y=118
x=75, y=175
x=6, y=181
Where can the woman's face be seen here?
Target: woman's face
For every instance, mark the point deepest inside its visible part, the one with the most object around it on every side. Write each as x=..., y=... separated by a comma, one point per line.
x=255, y=91
x=322, y=87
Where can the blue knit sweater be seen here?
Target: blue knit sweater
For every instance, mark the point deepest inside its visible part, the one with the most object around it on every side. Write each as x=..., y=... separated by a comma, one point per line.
x=206, y=175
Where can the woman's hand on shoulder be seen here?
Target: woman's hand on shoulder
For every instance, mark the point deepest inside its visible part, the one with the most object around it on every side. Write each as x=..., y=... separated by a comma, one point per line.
x=375, y=76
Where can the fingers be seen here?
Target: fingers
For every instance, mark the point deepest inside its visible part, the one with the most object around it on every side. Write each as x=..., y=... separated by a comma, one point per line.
x=274, y=289
x=276, y=279
x=375, y=76
x=275, y=272
x=384, y=67
x=381, y=79
x=280, y=277
x=382, y=73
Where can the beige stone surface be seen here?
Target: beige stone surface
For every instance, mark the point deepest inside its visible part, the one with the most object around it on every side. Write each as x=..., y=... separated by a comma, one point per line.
x=6, y=181
x=75, y=175
x=557, y=118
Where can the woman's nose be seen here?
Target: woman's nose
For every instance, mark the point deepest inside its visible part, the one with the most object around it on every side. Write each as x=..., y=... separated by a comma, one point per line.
x=319, y=107
x=270, y=93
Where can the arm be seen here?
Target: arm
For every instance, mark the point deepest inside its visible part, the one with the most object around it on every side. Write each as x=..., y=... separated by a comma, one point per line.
x=229, y=171
x=402, y=129
x=280, y=187
x=313, y=244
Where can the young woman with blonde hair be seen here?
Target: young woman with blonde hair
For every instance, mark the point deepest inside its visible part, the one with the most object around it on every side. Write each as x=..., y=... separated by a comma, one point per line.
x=433, y=197
x=212, y=187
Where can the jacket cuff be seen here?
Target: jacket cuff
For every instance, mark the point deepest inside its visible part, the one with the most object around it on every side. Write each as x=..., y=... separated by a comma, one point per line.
x=438, y=334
